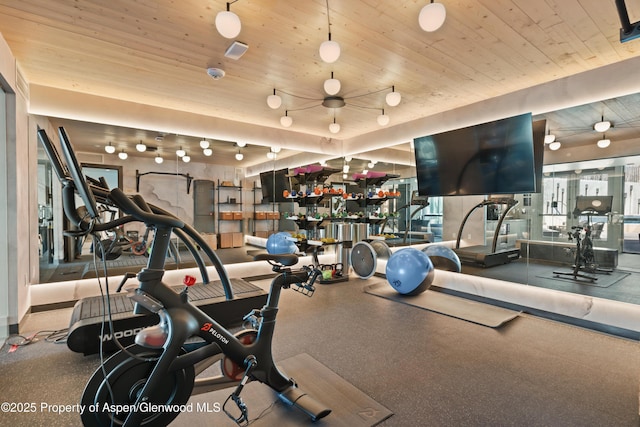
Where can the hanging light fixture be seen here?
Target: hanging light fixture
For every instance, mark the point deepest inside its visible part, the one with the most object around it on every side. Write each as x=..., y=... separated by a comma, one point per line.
x=332, y=86
x=432, y=16
x=159, y=159
x=186, y=158
x=123, y=155
x=239, y=156
x=141, y=147
x=274, y=101
x=241, y=144
x=285, y=120
x=207, y=152
x=555, y=145
x=602, y=126
x=393, y=98
x=110, y=148
x=329, y=49
x=549, y=138
x=334, y=127
x=604, y=142
x=180, y=152
x=383, y=119
x=227, y=23
x=204, y=144
x=271, y=155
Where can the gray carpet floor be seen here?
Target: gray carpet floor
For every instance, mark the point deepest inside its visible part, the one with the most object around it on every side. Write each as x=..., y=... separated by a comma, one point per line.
x=427, y=368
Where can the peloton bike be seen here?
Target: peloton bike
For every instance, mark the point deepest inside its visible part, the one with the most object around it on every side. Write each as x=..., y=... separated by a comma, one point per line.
x=584, y=254
x=147, y=379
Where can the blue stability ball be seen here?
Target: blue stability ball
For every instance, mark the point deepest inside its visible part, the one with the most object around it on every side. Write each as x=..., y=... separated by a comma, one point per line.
x=281, y=243
x=443, y=258
x=409, y=271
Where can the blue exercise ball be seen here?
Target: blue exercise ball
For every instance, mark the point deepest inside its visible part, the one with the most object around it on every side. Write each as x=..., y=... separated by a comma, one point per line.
x=443, y=258
x=281, y=243
x=410, y=271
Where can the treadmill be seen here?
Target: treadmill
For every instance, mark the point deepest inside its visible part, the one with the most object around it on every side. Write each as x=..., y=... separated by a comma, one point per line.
x=483, y=255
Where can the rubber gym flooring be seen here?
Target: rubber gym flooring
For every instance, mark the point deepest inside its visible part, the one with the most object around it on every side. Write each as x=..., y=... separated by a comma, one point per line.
x=427, y=368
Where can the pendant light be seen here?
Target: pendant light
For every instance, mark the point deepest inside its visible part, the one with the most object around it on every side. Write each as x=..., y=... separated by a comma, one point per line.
x=334, y=127
x=393, y=98
x=285, y=120
x=329, y=49
x=432, y=16
x=383, y=119
x=332, y=86
x=274, y=101
x=227, y=23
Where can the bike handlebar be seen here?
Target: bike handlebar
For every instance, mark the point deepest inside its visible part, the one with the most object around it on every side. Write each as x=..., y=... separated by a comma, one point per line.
x=121, y=200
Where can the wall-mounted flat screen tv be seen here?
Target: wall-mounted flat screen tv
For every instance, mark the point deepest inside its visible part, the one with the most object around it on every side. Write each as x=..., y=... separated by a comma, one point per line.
x=499, y=157
x=273, y=185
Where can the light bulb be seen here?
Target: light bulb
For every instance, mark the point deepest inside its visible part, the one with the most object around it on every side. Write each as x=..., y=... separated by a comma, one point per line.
x=274, y=101
x=123, y=155
x=554, y=145
x=332, y=86
x=180, y=152
x=432, y=16
x=204, y=144
x=141, y=147
x=186, y=158
x=383, y=119
x=329, y=51
x=334, y=127
x=345, y=169
x=393, y=98
x=228, y=24
x=271, y=155
x=241, y=144
x=548, y=139
x=602, y=126
x=276, y=148
x=159, y=159
x=239, y=156
x=207, y=152
x=604, y=143
x=286, y=121
x=110, y=149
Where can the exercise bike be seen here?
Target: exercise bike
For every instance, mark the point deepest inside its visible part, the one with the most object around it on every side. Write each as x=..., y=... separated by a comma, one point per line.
x=146, y=383
x=584, y=256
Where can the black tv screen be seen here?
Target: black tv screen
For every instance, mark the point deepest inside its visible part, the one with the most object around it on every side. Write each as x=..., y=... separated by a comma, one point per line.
x=497, y=157
x=273, y=185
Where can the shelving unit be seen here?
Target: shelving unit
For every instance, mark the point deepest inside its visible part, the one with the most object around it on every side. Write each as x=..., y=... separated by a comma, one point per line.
x=229, y=202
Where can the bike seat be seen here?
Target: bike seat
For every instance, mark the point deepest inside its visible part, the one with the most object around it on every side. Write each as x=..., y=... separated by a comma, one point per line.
x=283, y=259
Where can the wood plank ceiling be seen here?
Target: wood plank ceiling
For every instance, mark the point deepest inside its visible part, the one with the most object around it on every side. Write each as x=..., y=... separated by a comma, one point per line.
x=156, y=52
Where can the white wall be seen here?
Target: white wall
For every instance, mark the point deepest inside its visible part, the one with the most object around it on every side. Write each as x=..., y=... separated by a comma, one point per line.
x=18, y=214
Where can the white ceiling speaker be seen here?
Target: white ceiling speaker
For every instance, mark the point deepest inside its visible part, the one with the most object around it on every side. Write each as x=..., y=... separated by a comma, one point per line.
x=236, y=50
x=215, y=73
